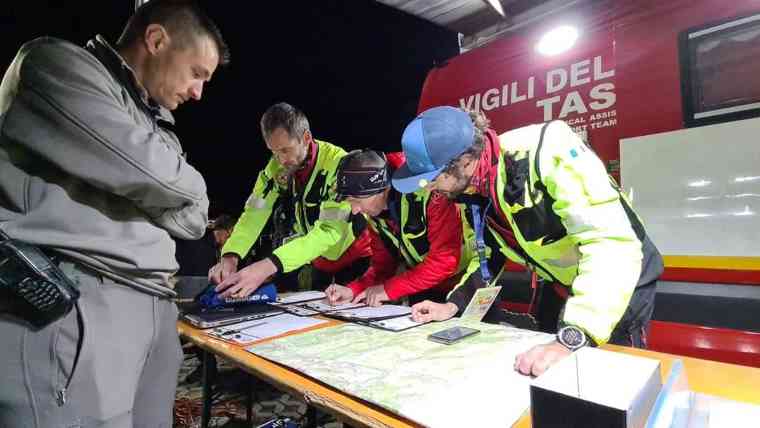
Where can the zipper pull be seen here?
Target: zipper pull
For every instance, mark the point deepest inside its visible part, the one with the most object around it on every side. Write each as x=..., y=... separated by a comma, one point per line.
x=61, y=397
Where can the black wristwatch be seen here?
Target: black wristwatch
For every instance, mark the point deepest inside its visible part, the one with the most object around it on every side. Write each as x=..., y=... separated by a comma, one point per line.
x=572, y=337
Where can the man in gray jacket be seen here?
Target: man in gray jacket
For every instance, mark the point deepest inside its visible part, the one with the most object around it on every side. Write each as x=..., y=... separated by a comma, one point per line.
x=91, y=172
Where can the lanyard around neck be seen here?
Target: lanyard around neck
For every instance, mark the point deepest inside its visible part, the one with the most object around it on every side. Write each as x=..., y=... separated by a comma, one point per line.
x=479, y=224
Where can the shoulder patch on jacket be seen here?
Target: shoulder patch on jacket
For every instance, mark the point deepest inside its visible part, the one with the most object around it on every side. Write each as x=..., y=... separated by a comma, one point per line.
x=282, y=178
x=256, y=202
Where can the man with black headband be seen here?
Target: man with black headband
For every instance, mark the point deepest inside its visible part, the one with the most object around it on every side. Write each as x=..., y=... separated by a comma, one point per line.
x=325, y=233
x=421, y=231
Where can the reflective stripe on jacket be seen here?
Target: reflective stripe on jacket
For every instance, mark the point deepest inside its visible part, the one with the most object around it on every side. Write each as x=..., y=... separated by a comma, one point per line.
x=324, y=227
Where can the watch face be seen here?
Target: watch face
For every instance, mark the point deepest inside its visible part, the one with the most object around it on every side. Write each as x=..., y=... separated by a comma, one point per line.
x=572, y=337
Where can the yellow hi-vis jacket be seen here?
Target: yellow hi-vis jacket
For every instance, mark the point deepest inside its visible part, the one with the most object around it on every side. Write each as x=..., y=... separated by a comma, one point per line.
x=572, y=224
x=321, y=224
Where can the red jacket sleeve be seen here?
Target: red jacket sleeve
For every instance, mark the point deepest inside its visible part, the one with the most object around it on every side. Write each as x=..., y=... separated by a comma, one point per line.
x=382, y=264
x=445, y=237
x=360, y=248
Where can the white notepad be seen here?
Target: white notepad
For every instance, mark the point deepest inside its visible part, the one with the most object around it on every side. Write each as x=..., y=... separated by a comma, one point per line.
x=299, y=296
x=369, y=312
x=324, y=306
x=396, y=324
x=251, y=331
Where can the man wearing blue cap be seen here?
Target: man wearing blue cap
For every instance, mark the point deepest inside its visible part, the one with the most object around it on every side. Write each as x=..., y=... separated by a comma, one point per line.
x=546, y=198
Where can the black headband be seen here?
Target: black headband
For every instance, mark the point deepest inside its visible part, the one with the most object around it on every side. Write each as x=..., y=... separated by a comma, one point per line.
x=356, y=179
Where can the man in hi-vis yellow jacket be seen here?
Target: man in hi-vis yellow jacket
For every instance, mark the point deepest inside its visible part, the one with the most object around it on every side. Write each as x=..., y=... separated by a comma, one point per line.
x=546, y=198
x=324, y=232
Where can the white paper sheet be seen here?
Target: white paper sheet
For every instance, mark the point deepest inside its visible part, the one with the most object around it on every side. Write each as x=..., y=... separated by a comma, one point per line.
x=323, y=306
x=369, y=312
x=251, y=331
x=396, y=324
x=299, y=296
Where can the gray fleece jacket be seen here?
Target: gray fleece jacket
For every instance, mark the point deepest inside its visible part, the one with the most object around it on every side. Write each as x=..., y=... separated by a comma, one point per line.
x=90, y=169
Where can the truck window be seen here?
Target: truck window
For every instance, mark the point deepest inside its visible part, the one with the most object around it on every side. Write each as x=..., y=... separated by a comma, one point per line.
x=720, y=67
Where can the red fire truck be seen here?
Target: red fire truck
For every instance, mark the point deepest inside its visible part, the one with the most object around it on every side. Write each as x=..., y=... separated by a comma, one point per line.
x=668, y=95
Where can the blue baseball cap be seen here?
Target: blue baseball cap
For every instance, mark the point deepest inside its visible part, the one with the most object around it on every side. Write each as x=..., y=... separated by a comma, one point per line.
x=430, y=142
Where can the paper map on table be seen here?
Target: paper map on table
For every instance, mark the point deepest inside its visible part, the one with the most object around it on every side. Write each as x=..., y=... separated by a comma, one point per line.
x=469, y=383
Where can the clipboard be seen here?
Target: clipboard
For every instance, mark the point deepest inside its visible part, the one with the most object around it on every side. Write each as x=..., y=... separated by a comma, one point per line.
x=298, y=297
x=395, y=325
x=324, y=308
x=369, y=313
x=395, y=319
x=299, y=310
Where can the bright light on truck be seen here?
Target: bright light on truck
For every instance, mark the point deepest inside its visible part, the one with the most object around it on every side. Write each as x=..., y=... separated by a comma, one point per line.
x=557, y=40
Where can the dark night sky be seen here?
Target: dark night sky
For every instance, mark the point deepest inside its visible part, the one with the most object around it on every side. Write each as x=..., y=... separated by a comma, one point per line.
x=355, y=67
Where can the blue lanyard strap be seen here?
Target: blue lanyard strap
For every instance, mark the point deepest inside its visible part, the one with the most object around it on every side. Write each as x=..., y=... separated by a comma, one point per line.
x=394, y=210
x=479, y=224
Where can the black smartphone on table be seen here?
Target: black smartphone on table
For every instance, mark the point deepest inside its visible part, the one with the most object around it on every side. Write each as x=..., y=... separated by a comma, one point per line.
x=452, y=335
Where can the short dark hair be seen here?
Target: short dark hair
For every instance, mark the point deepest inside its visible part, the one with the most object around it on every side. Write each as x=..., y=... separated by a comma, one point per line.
x=481, y=123
x=285, y=116
x=183, y=19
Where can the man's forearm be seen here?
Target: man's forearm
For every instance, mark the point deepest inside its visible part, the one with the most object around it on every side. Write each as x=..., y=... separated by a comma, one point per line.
x=188, y=222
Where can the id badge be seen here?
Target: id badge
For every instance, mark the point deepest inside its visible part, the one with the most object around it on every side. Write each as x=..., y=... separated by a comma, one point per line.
x=480, y=304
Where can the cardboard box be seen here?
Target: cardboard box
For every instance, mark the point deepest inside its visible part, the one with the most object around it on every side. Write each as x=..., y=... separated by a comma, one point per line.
x=596, y=388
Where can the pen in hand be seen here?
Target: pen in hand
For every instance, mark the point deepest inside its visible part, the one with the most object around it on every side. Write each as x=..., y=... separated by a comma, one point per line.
x=330, y=294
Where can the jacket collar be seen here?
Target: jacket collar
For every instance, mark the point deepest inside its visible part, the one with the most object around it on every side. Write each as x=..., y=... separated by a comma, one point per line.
x=483, y=179
x=303, y=174
x=116, y=64
x=393, y=209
